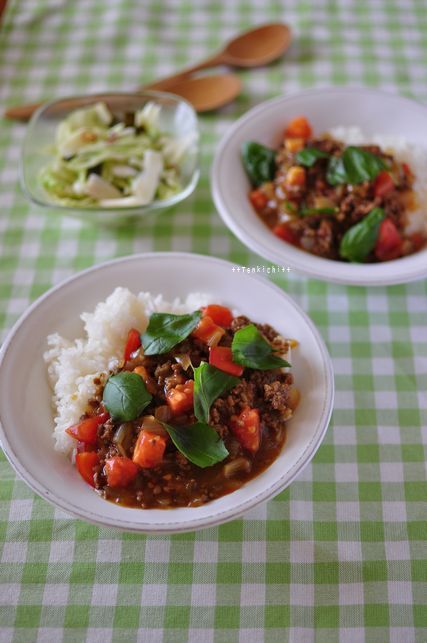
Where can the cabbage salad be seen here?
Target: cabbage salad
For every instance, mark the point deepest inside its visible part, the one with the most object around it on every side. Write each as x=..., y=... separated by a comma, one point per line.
x=102, y=161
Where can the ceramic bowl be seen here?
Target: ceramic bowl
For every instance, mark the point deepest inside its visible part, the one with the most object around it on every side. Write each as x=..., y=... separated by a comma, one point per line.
x=375, y=112
x=26, y=413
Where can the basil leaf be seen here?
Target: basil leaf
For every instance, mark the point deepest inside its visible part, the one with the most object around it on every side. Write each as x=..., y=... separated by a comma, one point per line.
x=166, y=331
x=251, y=349
x=309, y=155
x=305, y=212
x=361, y=238
x=336, y=172
x=259, y=162
x=125, y=396
x=209, y=384
x=199, y=442
x=354, y=166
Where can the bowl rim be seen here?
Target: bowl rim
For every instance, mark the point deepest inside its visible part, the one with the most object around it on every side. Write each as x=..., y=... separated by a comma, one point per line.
x=215, y=518
x=411, y=268
x=143, y=209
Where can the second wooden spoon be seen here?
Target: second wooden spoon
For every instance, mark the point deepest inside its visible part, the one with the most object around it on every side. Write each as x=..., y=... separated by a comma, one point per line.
x=205, y=93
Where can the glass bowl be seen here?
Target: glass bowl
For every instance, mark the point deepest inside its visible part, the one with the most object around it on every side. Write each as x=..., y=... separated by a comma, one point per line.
x=177, y=118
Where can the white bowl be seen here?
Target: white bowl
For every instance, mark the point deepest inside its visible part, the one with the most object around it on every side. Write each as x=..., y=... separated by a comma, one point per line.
x=375, y=112
x=25, y=398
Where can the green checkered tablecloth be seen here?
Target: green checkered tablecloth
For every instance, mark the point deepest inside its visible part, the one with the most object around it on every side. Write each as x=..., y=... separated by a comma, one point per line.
x=340, y=555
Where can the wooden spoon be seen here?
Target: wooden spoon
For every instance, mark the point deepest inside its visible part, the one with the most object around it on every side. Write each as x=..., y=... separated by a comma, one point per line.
x=255, y=47
x=205, y=93
x=252, y=48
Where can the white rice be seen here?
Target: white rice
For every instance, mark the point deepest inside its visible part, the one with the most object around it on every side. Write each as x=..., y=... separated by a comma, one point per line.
x=73, y=365
x=414, y=155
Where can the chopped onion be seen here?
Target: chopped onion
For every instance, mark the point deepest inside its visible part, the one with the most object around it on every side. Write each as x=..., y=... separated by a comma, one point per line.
x=124, y=171
x=149, y=423
x=240, y=465
x=144, y=185
x=184, y=360
x=123, y=437
x=163, y=413
x=215, y=337
x=103, y=113
x=99, y=188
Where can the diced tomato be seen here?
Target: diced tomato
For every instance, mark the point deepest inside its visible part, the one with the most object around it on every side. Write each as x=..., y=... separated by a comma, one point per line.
x=407, y=170
x=418, y=240
x=149, y=449
x=87, y=430
x=132, y=344
x=258, y=199
x=247, y=429
x=383, y=183
x=221, y=357
x=180, y=398
x=298, y=127
x=120, y=471
x=286, y=234
x=85, y=463
x=220, y=315
x=389, y=241
x=295, y=176
x=208, y=332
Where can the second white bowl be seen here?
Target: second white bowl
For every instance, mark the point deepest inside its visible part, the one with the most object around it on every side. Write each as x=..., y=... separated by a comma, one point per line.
x=374, y=112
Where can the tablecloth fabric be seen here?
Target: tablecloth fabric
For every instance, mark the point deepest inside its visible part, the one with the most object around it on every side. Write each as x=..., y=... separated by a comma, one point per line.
x=340, y=555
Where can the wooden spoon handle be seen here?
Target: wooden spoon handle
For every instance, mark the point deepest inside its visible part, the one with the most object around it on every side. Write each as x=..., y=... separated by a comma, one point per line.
x=167, y=82
x=24, y=112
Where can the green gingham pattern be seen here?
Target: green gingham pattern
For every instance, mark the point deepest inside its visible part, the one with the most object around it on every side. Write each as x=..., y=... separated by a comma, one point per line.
x=340, y=555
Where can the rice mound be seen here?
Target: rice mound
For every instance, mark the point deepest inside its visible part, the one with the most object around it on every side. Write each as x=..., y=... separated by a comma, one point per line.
x=73, y=365
x=404, y=151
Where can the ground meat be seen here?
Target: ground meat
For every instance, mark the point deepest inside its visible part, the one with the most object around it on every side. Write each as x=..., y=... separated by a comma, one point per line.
x=177, y=481
x=239, y=322
x=268, y=331
x=162, y=371
x=106, y=431
x=320, y=233
x=178, y=377
x=277, y=394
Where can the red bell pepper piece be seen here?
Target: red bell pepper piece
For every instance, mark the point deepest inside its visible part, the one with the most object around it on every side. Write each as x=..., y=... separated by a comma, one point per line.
x=208, y=332
x=87, y=430
x=132, y=344
x=85, y=463
x=221, y=357
x=220, y=315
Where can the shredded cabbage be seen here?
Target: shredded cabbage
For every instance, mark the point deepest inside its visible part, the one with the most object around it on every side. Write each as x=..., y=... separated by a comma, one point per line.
x=99, y=161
